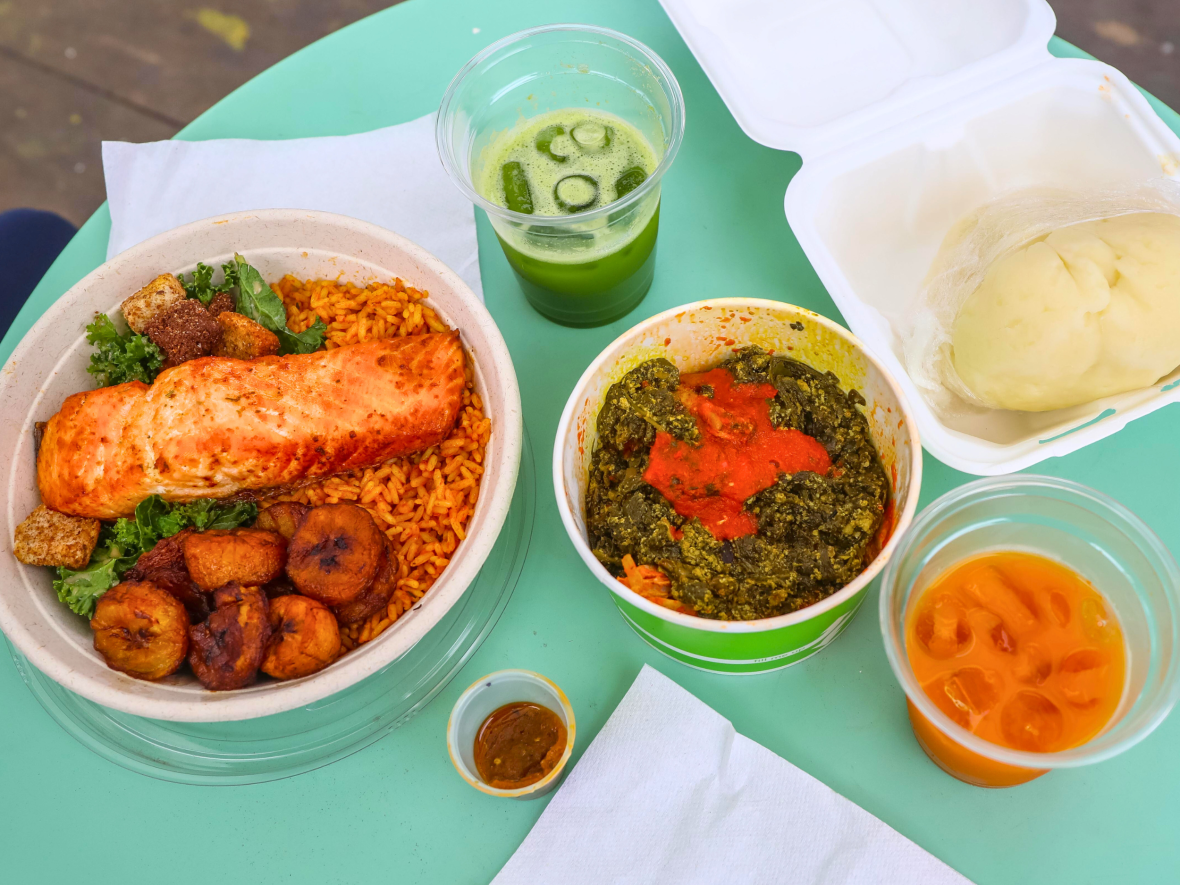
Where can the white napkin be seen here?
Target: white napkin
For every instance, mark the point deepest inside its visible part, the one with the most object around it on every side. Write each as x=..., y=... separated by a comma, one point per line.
x=670, y=793
x=391, y=177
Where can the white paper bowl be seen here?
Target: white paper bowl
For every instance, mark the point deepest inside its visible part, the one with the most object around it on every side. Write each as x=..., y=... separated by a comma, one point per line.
x=696, y=337
x=489, y=694
x=50, y=363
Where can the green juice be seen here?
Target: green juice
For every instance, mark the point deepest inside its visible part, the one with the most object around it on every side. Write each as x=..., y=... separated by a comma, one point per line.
x=576, y=265
x=589, y=293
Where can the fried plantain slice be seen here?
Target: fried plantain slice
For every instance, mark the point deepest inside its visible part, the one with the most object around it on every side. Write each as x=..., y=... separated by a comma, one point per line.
x=164, y=566
x=283, y=517
x=376, y=596
x=228, y=647
x=304, y=638
x=249, y=557
x=280, y=586
x=335, y=553
x=140, y=630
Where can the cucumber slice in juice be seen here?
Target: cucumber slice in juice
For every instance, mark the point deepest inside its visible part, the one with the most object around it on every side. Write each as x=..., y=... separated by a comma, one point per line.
x=592, y=135
x=628, y=181
x=575, y=193
x=544, y=143
x=517, y=195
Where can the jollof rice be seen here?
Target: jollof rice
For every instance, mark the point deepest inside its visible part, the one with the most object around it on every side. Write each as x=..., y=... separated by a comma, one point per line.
x=423, y=502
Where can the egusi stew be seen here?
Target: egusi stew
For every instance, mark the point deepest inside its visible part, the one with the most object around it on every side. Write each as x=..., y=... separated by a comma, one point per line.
x=747, y=491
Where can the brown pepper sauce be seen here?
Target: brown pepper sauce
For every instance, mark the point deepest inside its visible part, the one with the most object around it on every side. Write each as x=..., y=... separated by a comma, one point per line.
x=518, y=744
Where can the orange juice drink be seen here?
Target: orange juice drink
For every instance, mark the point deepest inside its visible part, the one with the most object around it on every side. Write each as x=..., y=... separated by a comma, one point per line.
x=1019, y=650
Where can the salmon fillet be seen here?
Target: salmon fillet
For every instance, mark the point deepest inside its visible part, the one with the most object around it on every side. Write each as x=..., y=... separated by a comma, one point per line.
x=216, y=426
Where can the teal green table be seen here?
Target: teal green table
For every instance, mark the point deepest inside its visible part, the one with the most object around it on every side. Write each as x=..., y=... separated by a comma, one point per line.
x=397, y=811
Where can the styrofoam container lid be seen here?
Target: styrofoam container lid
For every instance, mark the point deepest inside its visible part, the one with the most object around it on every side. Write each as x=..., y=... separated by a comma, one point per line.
x=808, y=76
x=910, y=114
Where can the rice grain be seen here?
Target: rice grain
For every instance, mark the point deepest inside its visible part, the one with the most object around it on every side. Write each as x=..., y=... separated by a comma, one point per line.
x=423, y=502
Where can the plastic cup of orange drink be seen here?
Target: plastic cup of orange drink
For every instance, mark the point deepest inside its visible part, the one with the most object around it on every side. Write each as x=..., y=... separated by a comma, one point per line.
x=1033, y=624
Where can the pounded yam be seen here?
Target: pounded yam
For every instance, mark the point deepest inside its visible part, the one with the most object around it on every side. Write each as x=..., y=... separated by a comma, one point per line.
x=1091, y=310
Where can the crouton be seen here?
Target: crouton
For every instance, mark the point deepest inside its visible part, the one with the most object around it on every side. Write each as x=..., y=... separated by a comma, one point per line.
x=244, y=339
x=47, y=537
x=221, y=302
x=151, y=301
x=184, y=332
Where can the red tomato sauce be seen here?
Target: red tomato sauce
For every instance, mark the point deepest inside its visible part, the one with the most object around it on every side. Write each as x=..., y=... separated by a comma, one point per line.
x=740, y=453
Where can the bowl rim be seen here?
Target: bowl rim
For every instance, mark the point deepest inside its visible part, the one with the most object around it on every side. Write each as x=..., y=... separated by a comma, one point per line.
x=554, y=773
x=761, y=625
x=292, y=694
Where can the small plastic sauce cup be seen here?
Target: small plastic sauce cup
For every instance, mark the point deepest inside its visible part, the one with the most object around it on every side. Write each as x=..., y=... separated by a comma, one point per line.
x=487, y=695
x=1083, y=529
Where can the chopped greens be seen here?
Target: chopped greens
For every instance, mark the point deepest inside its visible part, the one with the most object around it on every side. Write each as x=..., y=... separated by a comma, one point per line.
x=155, y=519
x=119, y=358
x=815, y=532
x=258, y=301
x=201, y=285
x=81, y=589
x=120, y=545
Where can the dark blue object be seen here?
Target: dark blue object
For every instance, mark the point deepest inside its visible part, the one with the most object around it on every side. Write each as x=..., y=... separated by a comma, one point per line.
x=29, y=242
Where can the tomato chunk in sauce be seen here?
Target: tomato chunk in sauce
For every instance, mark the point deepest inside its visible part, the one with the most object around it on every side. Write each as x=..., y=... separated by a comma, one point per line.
x=740, y=453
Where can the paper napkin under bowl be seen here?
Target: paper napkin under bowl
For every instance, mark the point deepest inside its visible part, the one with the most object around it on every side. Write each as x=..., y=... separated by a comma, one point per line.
x=391, y=177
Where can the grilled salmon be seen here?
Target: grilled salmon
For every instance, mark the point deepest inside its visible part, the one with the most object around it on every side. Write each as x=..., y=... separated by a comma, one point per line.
x=217, y=426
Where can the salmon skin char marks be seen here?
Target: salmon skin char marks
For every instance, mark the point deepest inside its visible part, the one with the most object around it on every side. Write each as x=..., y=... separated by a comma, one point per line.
x=214, y=427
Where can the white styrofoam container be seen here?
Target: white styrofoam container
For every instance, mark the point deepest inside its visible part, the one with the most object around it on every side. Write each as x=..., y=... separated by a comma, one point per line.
x=908, y=115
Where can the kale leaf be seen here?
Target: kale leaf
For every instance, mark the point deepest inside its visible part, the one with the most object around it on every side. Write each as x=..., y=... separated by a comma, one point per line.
x=201, y=285
x=81, y=589
x=156, y=519
x=120, y=358
x=255, y=300
x=120, y=545
x=258, y=301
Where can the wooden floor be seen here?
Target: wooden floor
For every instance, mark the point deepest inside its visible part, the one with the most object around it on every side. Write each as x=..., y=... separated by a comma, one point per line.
x=75, y=72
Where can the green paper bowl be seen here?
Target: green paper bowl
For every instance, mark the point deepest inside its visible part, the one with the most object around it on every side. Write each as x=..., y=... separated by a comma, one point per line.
x=697, y=337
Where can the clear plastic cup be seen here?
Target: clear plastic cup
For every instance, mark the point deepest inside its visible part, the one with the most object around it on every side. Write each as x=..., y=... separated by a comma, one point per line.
x=1088, y=532
x=595, y=266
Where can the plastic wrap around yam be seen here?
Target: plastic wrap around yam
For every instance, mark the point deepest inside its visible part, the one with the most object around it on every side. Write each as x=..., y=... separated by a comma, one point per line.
x=1045, y=299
